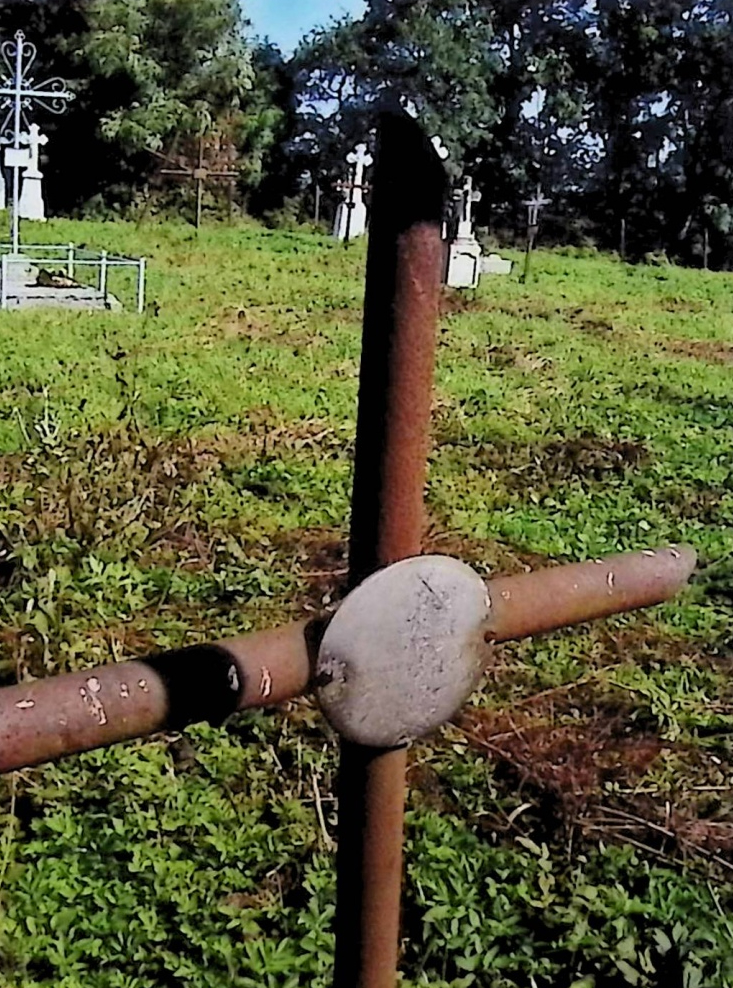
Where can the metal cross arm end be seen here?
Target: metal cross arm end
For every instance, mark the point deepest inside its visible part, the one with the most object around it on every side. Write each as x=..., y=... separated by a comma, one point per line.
x=408, y=647
x=403, y=652
x=562, y=596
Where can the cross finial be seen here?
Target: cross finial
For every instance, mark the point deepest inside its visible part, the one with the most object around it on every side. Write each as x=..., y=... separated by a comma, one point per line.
x=361, y=159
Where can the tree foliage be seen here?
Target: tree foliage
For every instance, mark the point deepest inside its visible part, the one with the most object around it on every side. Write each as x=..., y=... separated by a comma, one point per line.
x=179, y=65
x=623, y=109
x=147, y=74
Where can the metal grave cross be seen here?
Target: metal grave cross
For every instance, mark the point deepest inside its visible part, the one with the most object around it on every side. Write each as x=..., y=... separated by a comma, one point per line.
x=408, y=645
x=200, y=174
x=534, y=205
x=19, y=92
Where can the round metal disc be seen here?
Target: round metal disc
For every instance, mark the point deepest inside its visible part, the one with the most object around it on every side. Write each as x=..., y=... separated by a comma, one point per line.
x=404, y=651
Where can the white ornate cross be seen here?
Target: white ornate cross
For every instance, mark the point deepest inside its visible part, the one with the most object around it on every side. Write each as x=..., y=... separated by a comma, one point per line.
x=19, y=92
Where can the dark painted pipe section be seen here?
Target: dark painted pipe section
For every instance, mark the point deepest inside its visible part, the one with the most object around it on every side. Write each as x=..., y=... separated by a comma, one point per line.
x=397, y=369
x=46, y=719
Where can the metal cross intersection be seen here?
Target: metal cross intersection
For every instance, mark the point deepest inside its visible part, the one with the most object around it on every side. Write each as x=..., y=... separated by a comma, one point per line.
x=534, y=205
x=408, y=645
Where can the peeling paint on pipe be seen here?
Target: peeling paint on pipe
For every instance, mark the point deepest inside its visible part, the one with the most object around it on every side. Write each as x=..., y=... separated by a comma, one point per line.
x=560, y=596
x=46, y=719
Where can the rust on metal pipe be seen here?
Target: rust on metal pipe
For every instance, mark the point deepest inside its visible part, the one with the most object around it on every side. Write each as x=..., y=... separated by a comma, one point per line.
x=547, y=599
x=48, y=718
x=396, y=385
x=63, y=715
x=398, y=355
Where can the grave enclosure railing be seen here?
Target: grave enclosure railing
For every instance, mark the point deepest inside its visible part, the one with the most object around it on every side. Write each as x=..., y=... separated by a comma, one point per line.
x=408, y=644
x=74, y=261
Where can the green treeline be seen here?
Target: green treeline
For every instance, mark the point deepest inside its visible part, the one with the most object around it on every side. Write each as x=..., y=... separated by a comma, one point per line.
x=621, y=109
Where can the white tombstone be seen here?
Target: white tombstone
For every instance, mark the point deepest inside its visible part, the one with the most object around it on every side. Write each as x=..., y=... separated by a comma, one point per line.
x=495, y=264
x=15, y=160
x=32, y=205
x=351, y=215
x=464, y=254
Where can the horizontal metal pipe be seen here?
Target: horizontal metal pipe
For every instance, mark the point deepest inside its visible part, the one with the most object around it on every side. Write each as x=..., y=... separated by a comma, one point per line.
x=561, y=596
x=62, y=715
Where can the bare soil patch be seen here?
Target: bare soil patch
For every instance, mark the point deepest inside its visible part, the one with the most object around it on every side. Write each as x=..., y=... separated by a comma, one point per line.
x=541, y=466
x=710, y=351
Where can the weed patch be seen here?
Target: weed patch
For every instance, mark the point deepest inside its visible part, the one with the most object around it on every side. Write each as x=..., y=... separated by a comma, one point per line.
x=186, y=476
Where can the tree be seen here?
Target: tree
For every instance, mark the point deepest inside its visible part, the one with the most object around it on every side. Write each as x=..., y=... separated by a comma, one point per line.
x=179, y=65
x=703, y=111
x=540, y=136
x=439, y=57
x=272, y=169
x=468, y=69
x=145, y=72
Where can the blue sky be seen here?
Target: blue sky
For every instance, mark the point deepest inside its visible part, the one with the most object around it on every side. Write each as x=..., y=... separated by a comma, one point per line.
x=286, y=21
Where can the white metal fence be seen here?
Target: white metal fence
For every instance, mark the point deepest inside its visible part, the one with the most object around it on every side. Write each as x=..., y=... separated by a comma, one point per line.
x=71, y=258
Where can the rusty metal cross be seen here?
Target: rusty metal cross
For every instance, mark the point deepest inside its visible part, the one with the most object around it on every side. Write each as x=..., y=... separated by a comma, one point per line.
x=409, y=643
x=534, y=205
x=199, y=174
x=537, y=202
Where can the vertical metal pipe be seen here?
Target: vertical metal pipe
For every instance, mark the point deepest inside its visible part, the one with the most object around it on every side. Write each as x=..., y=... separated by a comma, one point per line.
x=141, y=287
x=397, y=368
x=103, y=275
x=200, y=183
x=350, y=205
x=4, y=282
x=17, y=124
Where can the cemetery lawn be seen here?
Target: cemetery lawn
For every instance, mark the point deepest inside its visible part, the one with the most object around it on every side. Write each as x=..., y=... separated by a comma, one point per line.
x=185, y=476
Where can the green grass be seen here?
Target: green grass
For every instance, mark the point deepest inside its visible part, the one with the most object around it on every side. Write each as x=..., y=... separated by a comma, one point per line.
x=184, y=475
